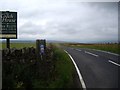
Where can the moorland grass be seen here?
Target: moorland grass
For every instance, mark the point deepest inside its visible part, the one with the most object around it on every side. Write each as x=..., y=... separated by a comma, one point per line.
x=114, y=48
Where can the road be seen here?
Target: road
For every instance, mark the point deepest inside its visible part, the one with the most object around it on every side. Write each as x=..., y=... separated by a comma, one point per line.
x=98, y=69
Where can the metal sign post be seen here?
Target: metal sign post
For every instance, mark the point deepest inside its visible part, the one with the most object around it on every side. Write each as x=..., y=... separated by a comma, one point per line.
x=8, y=43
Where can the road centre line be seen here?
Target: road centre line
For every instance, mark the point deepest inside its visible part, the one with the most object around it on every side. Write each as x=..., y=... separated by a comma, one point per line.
x=78, y=49
x=91, y=54
x=114, y=63
x=105, y=52
x=79, y=74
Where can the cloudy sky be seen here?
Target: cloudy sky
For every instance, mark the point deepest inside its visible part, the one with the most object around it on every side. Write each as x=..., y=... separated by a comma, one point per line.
x=65, y=20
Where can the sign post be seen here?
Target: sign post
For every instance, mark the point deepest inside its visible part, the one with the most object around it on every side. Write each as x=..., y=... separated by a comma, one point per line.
x=8, y=26
x=8, y=43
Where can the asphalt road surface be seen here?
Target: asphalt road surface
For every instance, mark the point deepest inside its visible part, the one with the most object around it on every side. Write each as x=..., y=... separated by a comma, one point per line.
x=98, y=69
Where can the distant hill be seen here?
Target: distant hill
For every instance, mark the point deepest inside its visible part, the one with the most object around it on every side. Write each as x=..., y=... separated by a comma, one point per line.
x=55, y=41
x=33, y=41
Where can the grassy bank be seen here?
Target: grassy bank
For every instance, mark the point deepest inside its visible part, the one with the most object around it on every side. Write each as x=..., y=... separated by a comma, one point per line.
x=114, y=48
x=64, y=70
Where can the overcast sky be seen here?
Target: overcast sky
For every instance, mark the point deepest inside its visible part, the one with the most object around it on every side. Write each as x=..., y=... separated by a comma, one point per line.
x=65, y=20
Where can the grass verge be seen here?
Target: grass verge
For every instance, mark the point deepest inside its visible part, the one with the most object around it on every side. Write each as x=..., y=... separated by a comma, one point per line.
x=64, y=70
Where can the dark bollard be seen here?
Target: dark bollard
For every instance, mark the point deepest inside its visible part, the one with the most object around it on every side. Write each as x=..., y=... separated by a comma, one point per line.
x=40, y=49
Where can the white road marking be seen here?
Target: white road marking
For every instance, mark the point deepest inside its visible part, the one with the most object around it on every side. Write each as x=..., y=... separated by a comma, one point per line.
x=106, y=52
x=91, y=54
x=113, y=63
x=79, y=74
x=78, y=49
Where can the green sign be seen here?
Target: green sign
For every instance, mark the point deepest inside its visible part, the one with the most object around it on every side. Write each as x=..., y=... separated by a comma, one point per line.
x=8, y=25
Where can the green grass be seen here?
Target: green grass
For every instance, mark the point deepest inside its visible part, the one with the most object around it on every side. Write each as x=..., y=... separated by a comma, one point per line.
x=64, y=70
x=114, y=48
x=18, y=45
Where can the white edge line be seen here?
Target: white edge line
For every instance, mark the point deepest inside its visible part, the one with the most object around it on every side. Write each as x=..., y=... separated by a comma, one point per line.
x=91, y=53
x=79, y=74
x=114, y=63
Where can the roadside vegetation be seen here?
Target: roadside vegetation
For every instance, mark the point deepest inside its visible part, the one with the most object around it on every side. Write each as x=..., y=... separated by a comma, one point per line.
x=64, y=70
x=21, y=69
x=114, y=48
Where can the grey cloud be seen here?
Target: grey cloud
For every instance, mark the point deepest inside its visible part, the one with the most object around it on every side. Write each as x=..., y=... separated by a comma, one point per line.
x=66, y=20
x=30, y=28
x=105, y=5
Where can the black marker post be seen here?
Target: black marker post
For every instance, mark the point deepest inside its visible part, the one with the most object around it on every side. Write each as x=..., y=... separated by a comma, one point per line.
x=40, y=49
